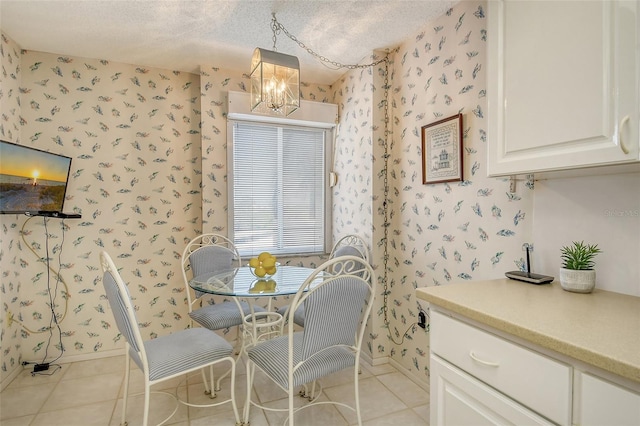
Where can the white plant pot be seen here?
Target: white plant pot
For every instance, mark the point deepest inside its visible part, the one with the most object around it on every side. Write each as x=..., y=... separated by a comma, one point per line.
x=578, y=281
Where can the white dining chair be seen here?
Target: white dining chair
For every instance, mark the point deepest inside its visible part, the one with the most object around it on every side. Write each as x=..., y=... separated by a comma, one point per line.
x=351, y=245
x=164, y=357
x=337, y=307
x=213, y=253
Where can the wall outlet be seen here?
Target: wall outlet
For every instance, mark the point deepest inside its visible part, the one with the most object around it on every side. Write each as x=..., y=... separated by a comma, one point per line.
x=422, y=319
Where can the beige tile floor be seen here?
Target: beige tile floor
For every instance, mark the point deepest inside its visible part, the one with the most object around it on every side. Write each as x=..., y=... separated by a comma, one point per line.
x=90, y=393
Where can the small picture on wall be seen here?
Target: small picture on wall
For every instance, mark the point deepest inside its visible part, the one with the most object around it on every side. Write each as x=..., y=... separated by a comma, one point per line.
x=442, y=150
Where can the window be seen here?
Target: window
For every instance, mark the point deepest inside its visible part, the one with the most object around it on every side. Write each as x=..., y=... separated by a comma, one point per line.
x=277, y=186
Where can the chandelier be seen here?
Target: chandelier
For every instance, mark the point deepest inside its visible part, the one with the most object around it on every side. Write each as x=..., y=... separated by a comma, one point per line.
x=275, y=80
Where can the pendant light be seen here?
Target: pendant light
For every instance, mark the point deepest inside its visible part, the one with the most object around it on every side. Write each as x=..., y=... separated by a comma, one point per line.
x=275, y=80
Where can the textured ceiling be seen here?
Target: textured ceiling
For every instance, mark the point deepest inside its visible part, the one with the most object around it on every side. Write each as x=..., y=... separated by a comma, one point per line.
x=182, y=35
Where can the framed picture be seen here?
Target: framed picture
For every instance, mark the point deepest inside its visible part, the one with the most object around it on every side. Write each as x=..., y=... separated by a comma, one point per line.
x=442, y=150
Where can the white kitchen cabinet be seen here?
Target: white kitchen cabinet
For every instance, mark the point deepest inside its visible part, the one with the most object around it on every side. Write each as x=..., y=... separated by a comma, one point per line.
x=485, y=379
x=599, y=402
x=571, y=360
x=563, y=85
x=480, y=378
x=460, y=399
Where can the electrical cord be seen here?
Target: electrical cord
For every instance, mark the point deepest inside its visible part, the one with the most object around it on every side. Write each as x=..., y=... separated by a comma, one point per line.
x=54, y=296
x=23, y=233
x=54, y=322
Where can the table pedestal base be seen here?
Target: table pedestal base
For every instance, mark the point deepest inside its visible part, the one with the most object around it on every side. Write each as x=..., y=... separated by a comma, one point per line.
x=260, y=326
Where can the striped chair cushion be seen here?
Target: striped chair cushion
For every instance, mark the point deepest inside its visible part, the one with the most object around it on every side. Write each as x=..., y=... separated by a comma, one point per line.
x=211, y=259
x=119, y=308
x=298, y=316
x=222, y=315
x=184, y=350
x=333, y=314
x=271, y=357
x=332, y=317
x=348, y=251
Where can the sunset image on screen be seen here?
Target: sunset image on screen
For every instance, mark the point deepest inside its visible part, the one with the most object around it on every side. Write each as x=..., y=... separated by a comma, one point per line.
x=35, y=165
x=31, y=180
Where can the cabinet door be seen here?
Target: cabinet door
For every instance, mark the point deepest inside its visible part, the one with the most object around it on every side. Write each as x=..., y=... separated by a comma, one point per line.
x=528, y=377
x=562, y=85
x=603, y=403
x=459, y=399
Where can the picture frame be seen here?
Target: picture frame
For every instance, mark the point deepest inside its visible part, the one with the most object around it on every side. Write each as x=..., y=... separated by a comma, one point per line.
x=442, y=151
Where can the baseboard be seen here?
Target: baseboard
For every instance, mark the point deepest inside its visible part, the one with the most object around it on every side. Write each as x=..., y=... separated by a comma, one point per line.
x=7, y=380
x=63, y=360
x=95, y=355
x=424, y=384
x=66, y=359
x=374, y=361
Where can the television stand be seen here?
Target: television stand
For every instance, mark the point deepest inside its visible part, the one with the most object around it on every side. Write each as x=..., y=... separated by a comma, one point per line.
x=58, y=215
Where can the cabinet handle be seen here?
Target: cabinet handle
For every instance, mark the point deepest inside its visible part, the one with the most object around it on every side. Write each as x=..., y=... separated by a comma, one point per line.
x=480, y=361
x=620, y=141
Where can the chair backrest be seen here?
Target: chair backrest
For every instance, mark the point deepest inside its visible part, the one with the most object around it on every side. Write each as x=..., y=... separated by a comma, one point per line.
x=350, y=245
x=122, y=308
x=338, y=298
x=207, y=253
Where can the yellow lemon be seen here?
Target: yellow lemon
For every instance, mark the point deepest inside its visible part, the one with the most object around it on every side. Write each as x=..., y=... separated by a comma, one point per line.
x=254, y=262
x=269, y=262
x=271, y=270
x=260, y=272
x=264, y=255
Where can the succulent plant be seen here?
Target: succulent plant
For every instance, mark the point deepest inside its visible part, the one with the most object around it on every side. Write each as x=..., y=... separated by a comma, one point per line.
x=579, y=255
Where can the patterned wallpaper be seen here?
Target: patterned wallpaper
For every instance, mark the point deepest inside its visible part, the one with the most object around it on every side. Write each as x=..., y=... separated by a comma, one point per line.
x=134, y=137
x=145, y=162
x=353, y=194
x=10, y=275
x=438, y=233
x=441, y=233
x=149, y=173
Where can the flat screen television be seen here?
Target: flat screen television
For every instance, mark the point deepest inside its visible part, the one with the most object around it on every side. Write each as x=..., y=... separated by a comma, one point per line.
x=32, y=181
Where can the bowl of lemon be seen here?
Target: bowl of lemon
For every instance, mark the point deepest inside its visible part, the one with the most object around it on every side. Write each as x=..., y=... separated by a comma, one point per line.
x=264, y=266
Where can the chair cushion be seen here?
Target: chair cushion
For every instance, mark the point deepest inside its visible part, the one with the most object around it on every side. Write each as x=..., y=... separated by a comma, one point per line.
x=298, y=316
x=184, y=350
x=348, y=251
x=272, y=357
x=222, y=315
x=210, y=259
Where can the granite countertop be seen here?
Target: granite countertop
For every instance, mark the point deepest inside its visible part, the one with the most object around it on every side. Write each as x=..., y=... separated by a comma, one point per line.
x=601, y=328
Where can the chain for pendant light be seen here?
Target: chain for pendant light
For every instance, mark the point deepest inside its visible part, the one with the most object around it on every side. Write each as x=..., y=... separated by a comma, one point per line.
x=277, y=27
x=385, y=211
x=276, y=31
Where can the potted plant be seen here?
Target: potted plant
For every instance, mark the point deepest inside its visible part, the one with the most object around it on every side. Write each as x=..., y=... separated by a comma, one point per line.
x=577, y=273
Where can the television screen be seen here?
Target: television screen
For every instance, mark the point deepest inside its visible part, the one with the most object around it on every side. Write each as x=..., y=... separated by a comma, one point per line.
x=32, y=181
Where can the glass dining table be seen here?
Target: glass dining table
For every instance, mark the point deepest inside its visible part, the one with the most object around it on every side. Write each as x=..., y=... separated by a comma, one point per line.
x=241, y=283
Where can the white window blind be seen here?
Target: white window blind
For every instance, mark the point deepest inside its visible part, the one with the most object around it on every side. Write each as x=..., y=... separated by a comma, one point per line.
x=277, y=188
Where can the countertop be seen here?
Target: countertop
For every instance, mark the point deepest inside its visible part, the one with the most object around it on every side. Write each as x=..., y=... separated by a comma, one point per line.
x=601, y=328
